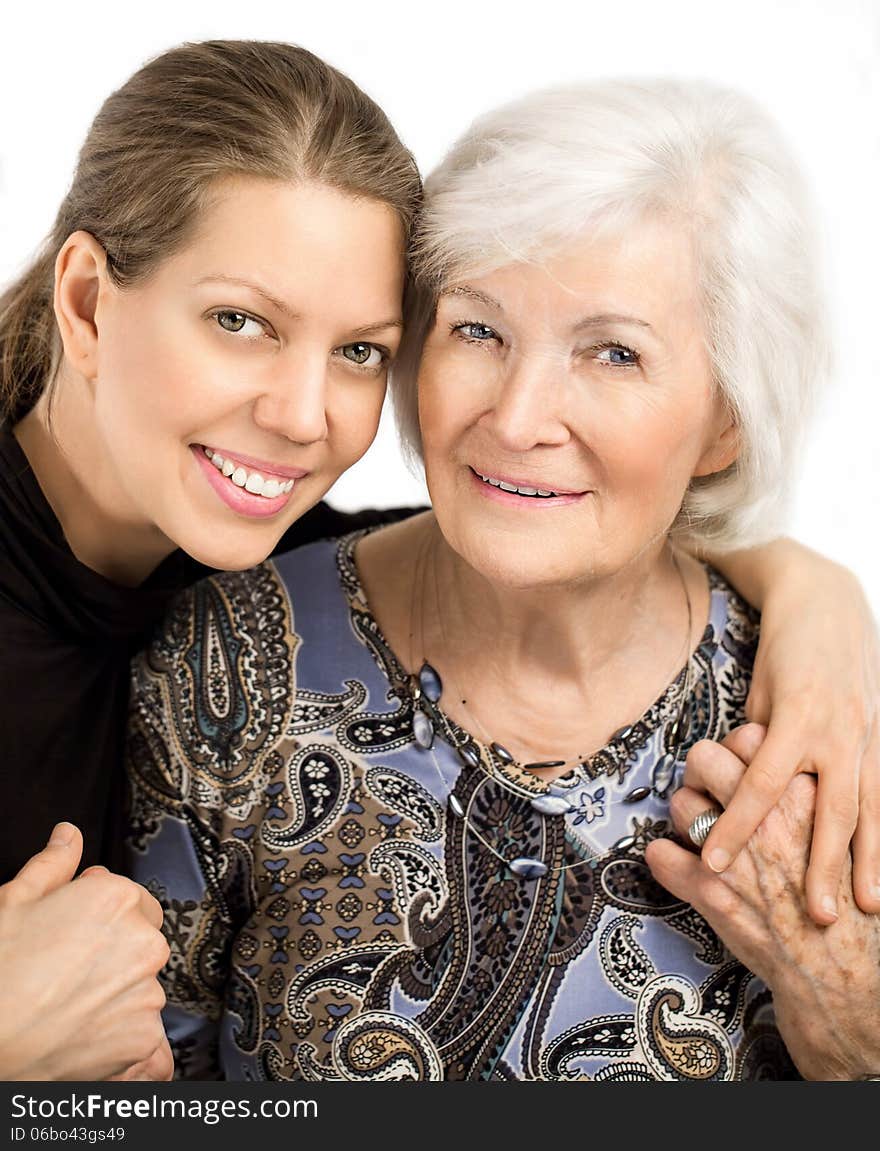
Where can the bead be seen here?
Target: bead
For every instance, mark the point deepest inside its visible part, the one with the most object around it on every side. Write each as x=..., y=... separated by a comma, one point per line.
x=544, y=763
x=623, y=844
x=430, y=681
x=501, y=752
x=469, y=755
x=454, y=806
x=527, y=868
x=550, y=804
x=661, y=778
x=638, y=794
x=423, y=729
x=621, y=733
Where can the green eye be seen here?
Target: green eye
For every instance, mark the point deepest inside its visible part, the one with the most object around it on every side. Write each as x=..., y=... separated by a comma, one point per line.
x=232, y=321
x=240, y=323
x=364, y=355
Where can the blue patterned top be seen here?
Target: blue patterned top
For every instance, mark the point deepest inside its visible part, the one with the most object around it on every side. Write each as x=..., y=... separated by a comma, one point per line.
x=332, y=916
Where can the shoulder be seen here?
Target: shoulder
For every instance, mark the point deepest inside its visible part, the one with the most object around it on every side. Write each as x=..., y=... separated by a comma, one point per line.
x=735, y=624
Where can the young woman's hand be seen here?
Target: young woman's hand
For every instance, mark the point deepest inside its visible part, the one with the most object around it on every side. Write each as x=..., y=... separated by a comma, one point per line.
x=825, y=980
x=816, y=686
x=79, y=998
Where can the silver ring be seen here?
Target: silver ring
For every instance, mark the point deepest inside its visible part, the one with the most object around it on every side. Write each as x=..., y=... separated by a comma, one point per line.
x=702, y=825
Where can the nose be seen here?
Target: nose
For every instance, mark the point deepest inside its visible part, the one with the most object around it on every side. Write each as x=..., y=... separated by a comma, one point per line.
x=293, y=401
x=527, y=411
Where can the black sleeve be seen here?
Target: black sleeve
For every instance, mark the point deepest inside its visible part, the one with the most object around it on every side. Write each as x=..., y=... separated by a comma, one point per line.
x=324, y=522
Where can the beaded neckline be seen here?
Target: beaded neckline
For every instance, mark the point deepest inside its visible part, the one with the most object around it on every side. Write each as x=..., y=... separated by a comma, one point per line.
x=613, y=759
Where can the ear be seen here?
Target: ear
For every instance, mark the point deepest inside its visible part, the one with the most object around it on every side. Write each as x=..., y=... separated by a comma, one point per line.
x=80, y=277
x=721, y=452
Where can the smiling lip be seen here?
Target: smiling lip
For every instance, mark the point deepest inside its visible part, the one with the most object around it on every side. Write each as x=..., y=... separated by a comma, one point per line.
x=264, y=467
x=537, y=485
x=239, y=500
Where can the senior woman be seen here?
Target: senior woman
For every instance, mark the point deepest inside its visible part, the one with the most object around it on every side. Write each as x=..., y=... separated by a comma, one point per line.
x=395, y=797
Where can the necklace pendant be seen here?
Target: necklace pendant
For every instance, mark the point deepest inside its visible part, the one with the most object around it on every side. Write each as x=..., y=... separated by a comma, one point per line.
x=527, y=868
x=501, y=752
x=423, y=729
x=550, y=804
x=662, y=775
x=469, y=755
x=455, y=806
x=430, y=682
x=637, y=795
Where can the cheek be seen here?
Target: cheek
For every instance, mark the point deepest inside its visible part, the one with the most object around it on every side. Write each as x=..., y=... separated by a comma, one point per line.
x=354, y=420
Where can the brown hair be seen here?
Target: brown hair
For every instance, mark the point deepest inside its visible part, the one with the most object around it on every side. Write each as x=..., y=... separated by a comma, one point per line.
x=193, y=114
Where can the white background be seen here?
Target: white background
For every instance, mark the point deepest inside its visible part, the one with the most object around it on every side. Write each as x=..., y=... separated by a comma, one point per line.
x=433, y=67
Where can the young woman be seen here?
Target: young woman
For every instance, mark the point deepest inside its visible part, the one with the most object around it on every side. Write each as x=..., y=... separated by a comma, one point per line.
x=198, y=352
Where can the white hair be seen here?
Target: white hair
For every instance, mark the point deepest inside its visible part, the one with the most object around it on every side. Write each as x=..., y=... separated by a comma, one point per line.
x=531, y=176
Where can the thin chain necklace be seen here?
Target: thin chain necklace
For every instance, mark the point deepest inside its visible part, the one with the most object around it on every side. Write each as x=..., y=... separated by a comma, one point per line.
x=426, y=689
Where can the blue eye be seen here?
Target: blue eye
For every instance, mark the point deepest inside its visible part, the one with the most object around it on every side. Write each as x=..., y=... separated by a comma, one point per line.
x=617, y=355
x=473, y=331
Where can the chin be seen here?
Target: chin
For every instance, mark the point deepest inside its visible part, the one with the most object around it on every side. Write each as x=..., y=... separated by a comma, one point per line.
x=524, y=572
x=228, y=555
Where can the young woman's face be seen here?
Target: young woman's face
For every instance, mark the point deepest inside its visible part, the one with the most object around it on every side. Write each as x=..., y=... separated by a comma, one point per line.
x=584, y=385
x=247, y=373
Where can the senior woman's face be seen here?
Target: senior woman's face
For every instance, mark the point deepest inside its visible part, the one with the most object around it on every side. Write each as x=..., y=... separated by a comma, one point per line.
x=586, y=377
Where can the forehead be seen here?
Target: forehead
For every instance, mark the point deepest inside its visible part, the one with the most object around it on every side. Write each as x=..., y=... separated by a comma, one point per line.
x=292, y=235
x=648, y=270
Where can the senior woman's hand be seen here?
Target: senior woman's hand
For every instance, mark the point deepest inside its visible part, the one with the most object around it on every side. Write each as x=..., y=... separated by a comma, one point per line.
x=816, y=685
x=825, y=980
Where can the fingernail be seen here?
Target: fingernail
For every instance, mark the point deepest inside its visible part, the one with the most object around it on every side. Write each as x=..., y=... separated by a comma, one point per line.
x=62, y=834
x=829, y=906
x=718, y=859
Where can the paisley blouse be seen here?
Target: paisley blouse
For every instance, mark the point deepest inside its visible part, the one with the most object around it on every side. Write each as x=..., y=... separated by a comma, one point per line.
x=334, y=915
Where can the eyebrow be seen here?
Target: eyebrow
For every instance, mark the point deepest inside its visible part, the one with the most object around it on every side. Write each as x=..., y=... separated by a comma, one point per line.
x=587, y=322
x=609, y=318
x=254, y=286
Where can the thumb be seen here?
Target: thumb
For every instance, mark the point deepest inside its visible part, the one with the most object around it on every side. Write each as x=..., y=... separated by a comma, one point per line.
x=50, y=868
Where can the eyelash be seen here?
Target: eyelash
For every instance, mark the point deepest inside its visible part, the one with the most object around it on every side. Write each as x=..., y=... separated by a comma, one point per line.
x=373, y=369
x=458, y=329
x=218, y=312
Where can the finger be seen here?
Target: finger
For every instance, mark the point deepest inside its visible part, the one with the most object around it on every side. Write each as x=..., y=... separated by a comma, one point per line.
x=151, y=909
x=50, y=868
x=745, y=740
x=866, y=843
x=837, y=813
x=95, y=869
x=677, y=870
x=684, y=807
x=159, y=1068
x=765, y=779
x=714, y=769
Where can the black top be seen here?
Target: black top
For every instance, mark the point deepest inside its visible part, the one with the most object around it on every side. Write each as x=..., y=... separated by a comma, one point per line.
x=67, y=637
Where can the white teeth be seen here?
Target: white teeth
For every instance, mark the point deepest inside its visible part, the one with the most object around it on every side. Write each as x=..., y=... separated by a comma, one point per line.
x=505, y=487
x=252, y=482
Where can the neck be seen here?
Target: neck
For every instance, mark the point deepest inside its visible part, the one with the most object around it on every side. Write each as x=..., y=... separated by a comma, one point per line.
x=555, y=671
x=61, y=439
